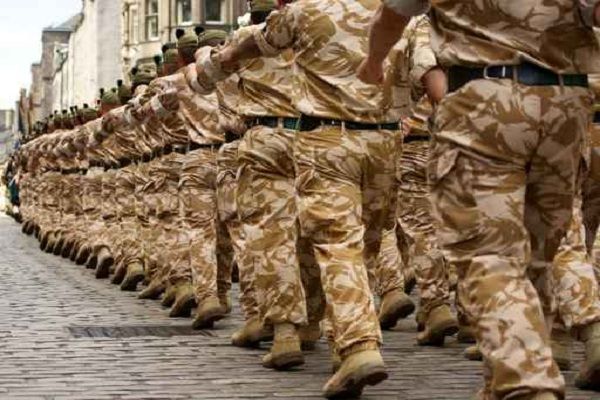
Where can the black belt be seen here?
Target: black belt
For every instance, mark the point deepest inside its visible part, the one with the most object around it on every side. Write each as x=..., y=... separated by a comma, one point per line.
x=231, y=137
x=124, y=162
x=415, y=138
x=597, y=117
x=71, y=171
x=273, y=122
x=308, y=123
x=196, y=146
x=526, y=73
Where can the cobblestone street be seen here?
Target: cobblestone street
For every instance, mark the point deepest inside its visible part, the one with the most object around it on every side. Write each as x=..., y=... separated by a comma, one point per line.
x=50, y=307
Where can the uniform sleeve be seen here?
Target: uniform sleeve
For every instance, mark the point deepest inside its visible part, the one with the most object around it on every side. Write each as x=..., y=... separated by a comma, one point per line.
x=409, y=8
x=280, y=31
x=422, y=57
x=586, y=8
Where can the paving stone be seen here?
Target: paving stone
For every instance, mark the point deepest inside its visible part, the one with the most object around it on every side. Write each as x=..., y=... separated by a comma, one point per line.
x=43, y=296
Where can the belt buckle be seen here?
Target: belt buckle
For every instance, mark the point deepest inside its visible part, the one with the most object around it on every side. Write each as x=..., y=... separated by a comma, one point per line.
x=486, y=74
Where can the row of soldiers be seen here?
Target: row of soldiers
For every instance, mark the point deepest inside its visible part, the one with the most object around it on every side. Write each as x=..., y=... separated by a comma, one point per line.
x=263, y=149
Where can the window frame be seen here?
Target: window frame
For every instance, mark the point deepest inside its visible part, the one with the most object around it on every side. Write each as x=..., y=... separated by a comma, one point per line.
x=148, y=16
x=221, y=13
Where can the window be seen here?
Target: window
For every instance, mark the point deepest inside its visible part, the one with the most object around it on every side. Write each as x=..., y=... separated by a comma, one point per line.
x=184, y=11
x=213, y=11
x=151, y=19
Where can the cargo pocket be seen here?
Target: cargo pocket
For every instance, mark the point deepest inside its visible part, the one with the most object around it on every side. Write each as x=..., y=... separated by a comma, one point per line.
x=457, y=217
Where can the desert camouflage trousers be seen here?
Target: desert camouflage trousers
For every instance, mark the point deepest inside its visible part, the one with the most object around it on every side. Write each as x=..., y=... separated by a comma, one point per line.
x=591, y=219
x=282, y=262
x=168, y=258
x=110, y=232
x=227, y=167
x=49, y=210
x=591, y=197
x=197, y=193
x=346, y=187
x=415, y=219
x=504, y=167
x=576, y=291
x=129, y=245
x=92, y=205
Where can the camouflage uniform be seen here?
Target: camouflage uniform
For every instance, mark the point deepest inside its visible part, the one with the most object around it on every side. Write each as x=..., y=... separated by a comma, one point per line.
x=345, y=168
x=197, y=117
x=503, y=167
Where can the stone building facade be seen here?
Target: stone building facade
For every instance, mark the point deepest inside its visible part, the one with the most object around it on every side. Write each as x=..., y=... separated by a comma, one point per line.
x=102, y=42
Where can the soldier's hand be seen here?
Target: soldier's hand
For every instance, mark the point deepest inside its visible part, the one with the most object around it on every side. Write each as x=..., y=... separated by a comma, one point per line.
x=169, y=100
x=436, y=85
x=370, y=72
x=227, y=60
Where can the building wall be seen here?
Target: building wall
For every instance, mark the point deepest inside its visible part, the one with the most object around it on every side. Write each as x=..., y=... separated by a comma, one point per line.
x=36, y=92
x=52, y=39
x=109, y=42
x=106, y=39
x=141, y=43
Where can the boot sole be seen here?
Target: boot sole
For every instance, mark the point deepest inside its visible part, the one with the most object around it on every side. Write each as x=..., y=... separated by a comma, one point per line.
x=82, y=256
x=183, y=310
x=354, y=384
x=66, y=251
x=208, y=321
x=58, y=248
x=92, y=263
x=286, y=361
x=252, y=341
x=118, y=277
x=151, y=293
x=401, y=312
x=102, y=271
x=130, y=285
x=438, y=335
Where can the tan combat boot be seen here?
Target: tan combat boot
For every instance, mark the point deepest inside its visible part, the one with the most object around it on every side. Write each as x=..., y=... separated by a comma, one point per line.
x=67, y=248
x=251, y=334
x=589, y=375
x=58, y=246
x=26, y=228
x=184, y=300
x=285, y=352
x=47, y=243
x=336, y=360
x=440, y=323
x=105, y=261
x=134, y=275
x=169, y=296
x=562, y=348
x=473, y=353
x=357, y=371
x=83, y=255
x=225, y=301
x=309, y=335
x=119, y=273
x=207, y=313
x=395, y=305
x=155, y=288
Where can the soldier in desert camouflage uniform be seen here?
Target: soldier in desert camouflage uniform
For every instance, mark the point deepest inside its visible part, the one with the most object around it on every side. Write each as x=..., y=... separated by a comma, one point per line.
x=504, y=168
x=345, y=155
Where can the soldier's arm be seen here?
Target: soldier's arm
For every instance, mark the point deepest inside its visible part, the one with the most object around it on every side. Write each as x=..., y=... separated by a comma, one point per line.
x=425, y=72
x=279, y=34
x=387, y=27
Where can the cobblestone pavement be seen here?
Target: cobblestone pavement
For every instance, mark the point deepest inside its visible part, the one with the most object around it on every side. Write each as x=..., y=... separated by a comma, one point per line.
x=47, y=304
